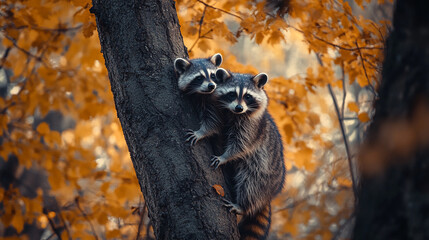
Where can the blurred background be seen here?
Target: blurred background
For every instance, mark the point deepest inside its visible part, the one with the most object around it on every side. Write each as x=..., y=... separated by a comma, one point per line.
x=65, y=170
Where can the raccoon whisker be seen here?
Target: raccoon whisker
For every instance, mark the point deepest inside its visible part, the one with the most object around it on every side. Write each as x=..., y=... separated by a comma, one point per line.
x=253, y=105
x=223, y=105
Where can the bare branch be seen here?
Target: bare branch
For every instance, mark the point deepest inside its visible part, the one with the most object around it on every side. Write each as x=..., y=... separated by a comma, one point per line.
x=346, y=143
x=341, y=228
x=54, y=229
x=61, y=28
x=64, y=223
x=22, y=49
x=335, y=45
x=3, y=59
x=86, y=217
x=141, y=213
x=221, y=10
x=364, y=69
x=200, y=23
x=343, y=79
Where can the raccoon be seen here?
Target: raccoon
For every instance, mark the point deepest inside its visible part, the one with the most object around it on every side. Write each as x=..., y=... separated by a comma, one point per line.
x=253, y=146
x=197, y=77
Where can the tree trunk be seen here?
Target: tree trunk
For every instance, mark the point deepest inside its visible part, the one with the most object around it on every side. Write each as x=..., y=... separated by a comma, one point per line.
x=393, y=201
x=139, y=41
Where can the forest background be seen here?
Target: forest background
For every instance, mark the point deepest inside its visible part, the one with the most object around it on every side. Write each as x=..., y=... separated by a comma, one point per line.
x=65, y=166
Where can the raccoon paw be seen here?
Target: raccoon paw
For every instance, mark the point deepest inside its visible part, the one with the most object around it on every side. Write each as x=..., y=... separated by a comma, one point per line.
x=192, y=137
x=216, y=161
x=232, y=207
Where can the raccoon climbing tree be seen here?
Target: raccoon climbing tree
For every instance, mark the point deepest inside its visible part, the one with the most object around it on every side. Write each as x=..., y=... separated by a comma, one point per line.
x=139, y=41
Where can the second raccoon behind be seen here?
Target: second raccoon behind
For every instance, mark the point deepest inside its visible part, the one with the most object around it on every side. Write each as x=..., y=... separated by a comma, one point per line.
x=254, y=148
x=197, y=77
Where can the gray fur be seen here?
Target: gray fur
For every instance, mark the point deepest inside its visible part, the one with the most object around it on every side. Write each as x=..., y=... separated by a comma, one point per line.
x=195, y=78
x=253, y=145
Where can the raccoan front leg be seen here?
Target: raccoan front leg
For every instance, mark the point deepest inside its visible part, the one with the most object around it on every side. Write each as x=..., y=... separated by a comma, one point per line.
x=233, y=151
x=194, y=136
x=209, y=127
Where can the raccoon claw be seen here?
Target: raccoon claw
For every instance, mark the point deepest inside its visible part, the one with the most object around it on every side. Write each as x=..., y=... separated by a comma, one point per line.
x=191, y=137
x=233, y=208
x=216, y=161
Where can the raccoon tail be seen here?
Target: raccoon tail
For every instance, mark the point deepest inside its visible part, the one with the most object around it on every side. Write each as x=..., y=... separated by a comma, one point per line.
x=256, y=227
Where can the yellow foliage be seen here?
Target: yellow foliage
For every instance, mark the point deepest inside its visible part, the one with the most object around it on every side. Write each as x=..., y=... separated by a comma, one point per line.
x=57, y=67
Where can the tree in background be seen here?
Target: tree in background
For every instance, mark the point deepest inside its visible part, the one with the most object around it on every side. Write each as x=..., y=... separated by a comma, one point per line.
x=65, y=162
x=394, y=195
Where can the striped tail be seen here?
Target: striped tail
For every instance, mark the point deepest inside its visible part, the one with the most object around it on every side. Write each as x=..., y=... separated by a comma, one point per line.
x=256, y=227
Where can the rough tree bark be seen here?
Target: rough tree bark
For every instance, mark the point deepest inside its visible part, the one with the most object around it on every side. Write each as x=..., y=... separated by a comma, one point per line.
x=139, y=41
x=394, y=195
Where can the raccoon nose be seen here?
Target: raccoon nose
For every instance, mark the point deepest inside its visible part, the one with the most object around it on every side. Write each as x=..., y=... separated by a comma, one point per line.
x=238, y=108
x=211, y=86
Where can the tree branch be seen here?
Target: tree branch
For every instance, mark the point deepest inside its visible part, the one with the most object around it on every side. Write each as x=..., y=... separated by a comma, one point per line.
x=346, y=143
x=54, y=229
x=141, y=214
x=364, y=69
x=221, y=10
x=86, y=218
x=335, y=45
x=343, y=79
x=200, y=23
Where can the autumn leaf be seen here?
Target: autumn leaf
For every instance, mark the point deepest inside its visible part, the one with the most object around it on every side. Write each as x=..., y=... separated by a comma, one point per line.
x=18, y=221
x=88, y=29
x=363, y=117
x=203, y=45
x=344, y=181
x=43, y=128
x=219, y=190
x=259, y=37
x=353, y=107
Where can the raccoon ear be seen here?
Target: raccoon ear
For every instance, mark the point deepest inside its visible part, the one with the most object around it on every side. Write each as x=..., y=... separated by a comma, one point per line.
x=181, y=65
x=260, y=80
x=222, y=75
x=216, y=59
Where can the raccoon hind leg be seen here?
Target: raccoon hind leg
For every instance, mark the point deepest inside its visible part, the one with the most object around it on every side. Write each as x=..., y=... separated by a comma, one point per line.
x=234, y=208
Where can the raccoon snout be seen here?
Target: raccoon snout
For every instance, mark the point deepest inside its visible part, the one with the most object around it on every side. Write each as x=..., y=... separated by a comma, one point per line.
x=211, y=86
x=238, y=109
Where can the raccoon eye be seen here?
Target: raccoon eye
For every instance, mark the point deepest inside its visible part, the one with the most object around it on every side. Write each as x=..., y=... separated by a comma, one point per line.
x=247, y=96
x=231, y=95
x=199, y=78
x=213, y=76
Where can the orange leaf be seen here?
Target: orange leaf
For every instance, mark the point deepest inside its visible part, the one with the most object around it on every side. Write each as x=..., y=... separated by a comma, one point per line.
x=363, y=117
x=43, y=221
x=344, y=181
x=353, y=107
x=113, y=233
x=219, y=190
x=259, y=38
x=203, y=45
x=43, y=128
x=88, y=29
x=18, y=221
x=51, y=214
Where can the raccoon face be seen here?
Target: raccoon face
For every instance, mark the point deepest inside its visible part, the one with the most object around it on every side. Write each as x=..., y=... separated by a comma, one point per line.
x=242, y=93
x=197, y=75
